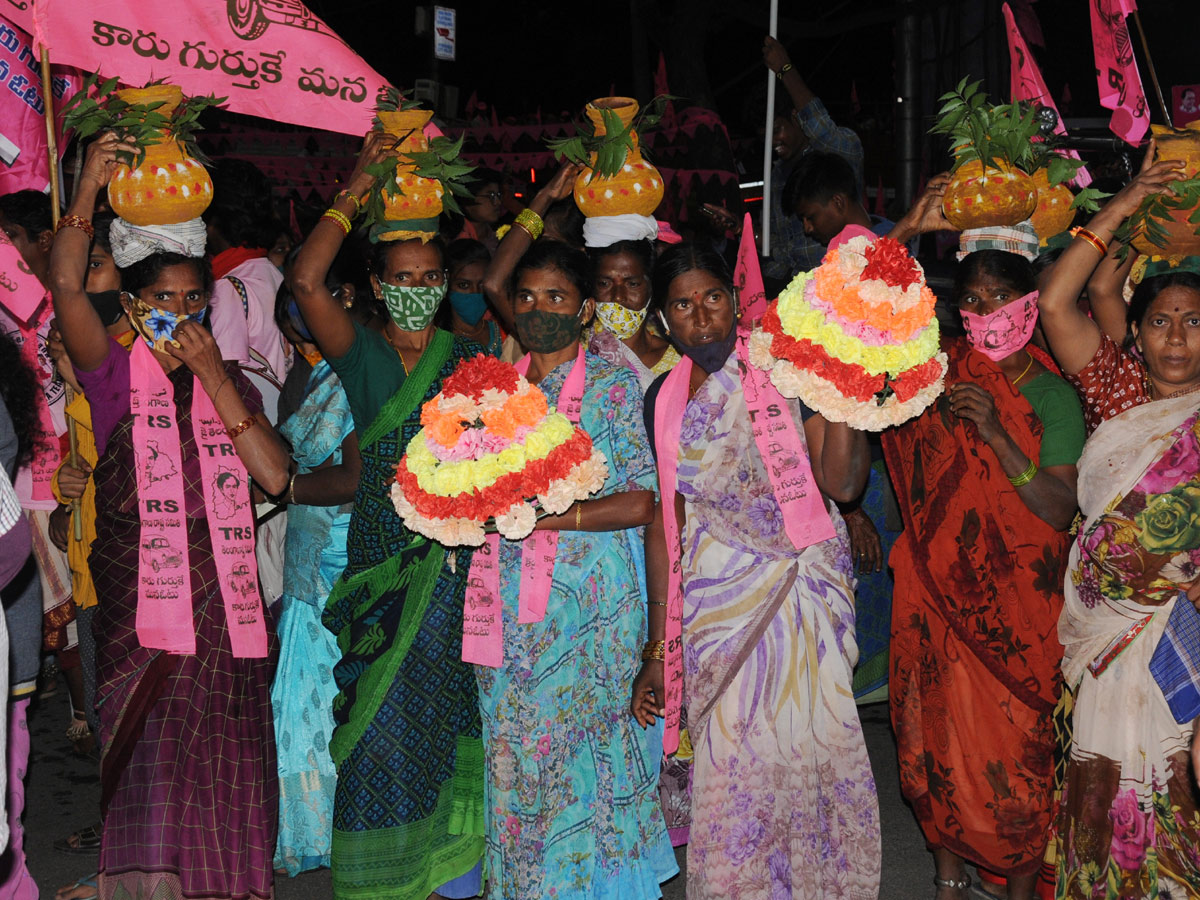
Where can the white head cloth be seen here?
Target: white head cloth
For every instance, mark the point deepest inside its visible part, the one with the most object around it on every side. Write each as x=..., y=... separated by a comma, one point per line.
x=133, y=243
x=1020, y=239
x=604, y=231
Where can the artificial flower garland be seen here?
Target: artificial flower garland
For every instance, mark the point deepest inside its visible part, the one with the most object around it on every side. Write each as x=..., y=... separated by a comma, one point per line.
x=856, y=339
x=489, y=444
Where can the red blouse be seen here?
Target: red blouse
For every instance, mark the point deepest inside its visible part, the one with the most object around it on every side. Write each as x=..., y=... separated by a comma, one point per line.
x=1112, y=382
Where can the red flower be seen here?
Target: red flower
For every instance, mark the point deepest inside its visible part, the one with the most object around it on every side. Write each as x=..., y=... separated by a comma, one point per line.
x=888, y=261
x=474, y=376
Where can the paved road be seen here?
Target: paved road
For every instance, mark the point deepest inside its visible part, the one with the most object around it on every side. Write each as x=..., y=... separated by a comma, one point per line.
x=63, y=794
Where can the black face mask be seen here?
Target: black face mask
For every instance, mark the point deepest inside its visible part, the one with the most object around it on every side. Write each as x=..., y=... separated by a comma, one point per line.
x=711, y=356
x=546, y=332
x=108, y=306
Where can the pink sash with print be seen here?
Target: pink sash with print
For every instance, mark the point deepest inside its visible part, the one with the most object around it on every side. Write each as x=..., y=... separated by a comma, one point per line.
x=48, y=455
x=805, y=516
x=164, y=613
x=483, y=630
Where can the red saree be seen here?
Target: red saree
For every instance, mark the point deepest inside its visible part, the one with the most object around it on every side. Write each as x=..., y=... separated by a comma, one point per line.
x=975, y=654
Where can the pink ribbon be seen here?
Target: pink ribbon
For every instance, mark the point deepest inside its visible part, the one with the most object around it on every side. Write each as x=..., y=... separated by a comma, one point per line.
x=747, y=275
x=483, y=628
x=785, y=456
x=164, y=618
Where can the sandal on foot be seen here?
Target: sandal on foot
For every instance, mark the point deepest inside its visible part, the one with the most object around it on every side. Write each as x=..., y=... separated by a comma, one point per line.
x=83, y=889
x=85, y=840
x=80, y=735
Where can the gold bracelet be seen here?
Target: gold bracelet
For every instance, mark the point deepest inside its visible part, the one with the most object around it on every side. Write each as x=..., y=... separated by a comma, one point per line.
x=657, y=602
x=242, y=427
x=353, y=198
x=654, y=650
x=1025, y=477
x=79, y=222
x=578, y=514
x=340, y=218
x=783, y=70
x=291, y=492
x=1092, y=238
x=531, y=222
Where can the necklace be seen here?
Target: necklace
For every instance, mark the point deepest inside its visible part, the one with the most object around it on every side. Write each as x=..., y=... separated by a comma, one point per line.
x=1179, y=393
x=399, y=352
x=1027, y=368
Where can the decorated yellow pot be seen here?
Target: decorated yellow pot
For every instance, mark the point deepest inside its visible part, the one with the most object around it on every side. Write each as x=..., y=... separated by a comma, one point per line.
x=637, y=188
x=169, y=186
x=1053, y=214
x=419, y=198
x=1001, y=195
x=1182, y=239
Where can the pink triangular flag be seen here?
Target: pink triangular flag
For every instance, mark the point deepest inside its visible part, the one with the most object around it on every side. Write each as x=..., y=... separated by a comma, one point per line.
x=747, y=275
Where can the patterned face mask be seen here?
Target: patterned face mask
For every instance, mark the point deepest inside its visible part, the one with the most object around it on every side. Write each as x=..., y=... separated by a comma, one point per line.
x=620, y=320
x=412, y=308
x=157, y=326
x=546, y=332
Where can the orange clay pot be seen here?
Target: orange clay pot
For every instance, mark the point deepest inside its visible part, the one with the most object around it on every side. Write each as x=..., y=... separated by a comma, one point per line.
x=1183, y=145
x=1053, y=214
x=637, y=188
x=169, y=186
x=977, y=199
x=420, y=198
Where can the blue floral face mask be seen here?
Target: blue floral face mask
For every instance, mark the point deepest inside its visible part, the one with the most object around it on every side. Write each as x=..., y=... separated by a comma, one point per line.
x=157, y=326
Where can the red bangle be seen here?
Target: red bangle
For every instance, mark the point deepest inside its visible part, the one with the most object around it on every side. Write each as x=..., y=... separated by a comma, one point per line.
x=79, y=222
x=243, y=426
x=1092, y=238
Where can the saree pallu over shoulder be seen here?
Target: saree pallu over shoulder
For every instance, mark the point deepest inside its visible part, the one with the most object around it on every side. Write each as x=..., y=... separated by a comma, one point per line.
x=974, y=669
x=1130, y=822
x=408, y=814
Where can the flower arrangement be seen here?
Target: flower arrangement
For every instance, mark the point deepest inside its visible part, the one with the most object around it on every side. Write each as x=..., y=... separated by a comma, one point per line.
x=490, y=447
x=855, y=339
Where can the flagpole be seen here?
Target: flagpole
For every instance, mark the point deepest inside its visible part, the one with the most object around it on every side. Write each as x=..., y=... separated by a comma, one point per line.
x=772, y=28
x=55, y=195
x=1137, y=20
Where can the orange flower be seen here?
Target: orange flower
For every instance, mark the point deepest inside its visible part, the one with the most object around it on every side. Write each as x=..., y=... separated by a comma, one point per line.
x=500, y=422
x=443, y=429
x=526, y=409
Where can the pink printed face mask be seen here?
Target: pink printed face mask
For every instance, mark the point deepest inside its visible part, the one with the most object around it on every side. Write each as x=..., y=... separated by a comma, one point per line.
x=1004, y=331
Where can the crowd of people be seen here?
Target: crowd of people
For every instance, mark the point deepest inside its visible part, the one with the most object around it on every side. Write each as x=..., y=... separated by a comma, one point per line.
x=271, y=661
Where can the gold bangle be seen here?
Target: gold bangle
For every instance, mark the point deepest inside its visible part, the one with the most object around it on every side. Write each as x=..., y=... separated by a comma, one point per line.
x=531, y=222
x=1092, y=238
x=657, y=602
x=79, y=222
x=242, y=427
x=1025, y=477
x=291, y=491
x=353, y=198
x=578, y=514
x=340, y=218
x=783, y=70
x=654, y=650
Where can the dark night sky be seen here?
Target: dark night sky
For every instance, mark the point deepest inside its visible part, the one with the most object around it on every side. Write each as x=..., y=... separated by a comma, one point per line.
x=523, y=53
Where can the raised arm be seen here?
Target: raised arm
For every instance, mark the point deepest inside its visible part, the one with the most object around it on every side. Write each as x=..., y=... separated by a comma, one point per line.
x=83, y=334
x=926, y=214
x=1074, y=338
x=326, y=318
x=840, y=458
x=515, y=244
x=1106, y=297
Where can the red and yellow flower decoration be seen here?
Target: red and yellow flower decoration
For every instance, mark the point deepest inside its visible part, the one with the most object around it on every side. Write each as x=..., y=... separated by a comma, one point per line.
x=490, y=448
x=855, y=339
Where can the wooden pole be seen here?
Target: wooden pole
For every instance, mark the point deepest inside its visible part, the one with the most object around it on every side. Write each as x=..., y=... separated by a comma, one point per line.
x=55, y=199
x=1137, y=21
x=773, y=30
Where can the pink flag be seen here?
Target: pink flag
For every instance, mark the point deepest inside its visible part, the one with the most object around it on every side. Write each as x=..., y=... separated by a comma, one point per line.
x=20, y=291
x=747, y=275
x=275, y=60
x=1117, y=75
x=1028, y=83
x=23, y=158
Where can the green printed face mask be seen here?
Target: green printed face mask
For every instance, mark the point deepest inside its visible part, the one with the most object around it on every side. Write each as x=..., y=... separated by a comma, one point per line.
x=547, y=332
x=412, y=308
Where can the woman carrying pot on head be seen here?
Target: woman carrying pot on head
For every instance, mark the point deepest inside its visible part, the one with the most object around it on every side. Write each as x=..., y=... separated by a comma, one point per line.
x=1130, y=822
x=572, y=799
x=767, y=611
x=407, y=814
x=184, y=642
x=985, y=480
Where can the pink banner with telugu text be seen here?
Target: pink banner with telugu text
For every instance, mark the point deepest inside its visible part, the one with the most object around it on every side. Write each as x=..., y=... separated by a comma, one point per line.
x=1028, y=84
x=271, y=58
x=1117, y=77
